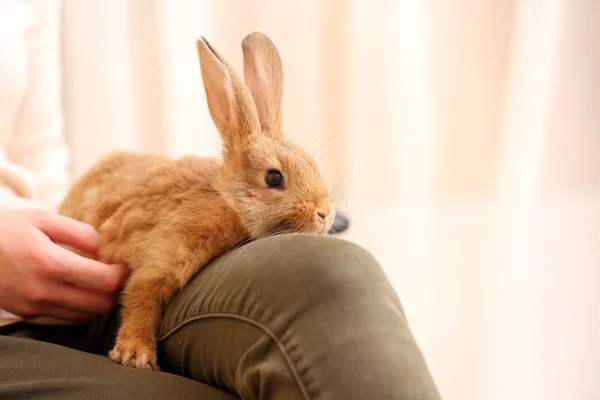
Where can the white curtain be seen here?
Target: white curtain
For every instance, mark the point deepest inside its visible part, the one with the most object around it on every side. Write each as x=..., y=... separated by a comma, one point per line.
x=466, y=133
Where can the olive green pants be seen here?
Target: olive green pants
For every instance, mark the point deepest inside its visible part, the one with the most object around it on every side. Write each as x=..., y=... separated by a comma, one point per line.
x=290, y=317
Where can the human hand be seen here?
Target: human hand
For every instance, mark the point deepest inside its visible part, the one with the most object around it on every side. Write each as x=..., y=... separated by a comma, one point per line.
x=40, y=278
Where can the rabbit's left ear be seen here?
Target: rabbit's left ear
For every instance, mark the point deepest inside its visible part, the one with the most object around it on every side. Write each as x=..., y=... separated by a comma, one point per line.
x=229, y=101
x=263, y=74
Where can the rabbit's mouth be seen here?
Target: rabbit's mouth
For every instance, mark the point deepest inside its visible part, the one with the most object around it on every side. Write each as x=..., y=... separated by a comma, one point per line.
x=279, y=228
x=340, y=224
x=285, y=226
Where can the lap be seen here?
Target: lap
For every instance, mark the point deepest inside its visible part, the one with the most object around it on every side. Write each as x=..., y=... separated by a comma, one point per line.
x=32, y=369
x=294, y=316
x=302, y=316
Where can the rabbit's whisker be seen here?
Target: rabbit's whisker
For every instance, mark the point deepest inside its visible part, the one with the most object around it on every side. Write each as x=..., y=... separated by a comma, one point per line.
x=332, y=191
x=323, y=145
x=338, y=188
x=319, y=136
x=339, y=199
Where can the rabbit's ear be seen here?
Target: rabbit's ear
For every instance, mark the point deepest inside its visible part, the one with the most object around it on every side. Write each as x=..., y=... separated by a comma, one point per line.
x=263, y=74
x=229, y=101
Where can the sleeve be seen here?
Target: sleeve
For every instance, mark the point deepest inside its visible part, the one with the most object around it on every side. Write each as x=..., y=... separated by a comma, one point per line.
x=37, y=149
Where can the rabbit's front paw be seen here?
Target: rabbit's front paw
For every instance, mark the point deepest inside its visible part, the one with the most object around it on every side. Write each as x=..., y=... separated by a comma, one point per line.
x=135, y=353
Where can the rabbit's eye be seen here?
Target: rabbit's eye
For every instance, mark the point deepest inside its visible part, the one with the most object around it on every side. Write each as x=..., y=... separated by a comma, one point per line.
x=274, y=178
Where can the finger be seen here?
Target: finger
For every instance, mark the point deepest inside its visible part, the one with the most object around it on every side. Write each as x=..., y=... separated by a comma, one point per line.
x=87, y=273
x=81, y=300
x=67, y=314
x=71, y=232
x=52, y=311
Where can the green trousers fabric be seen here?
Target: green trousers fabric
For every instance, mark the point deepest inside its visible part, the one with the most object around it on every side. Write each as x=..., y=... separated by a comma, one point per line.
x=296, y=316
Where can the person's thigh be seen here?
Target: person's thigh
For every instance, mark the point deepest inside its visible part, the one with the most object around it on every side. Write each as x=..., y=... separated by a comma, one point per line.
x=295, y=317
x=31, y=370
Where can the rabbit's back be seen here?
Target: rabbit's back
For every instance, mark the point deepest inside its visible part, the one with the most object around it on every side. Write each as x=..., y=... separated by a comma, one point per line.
x=109, y=178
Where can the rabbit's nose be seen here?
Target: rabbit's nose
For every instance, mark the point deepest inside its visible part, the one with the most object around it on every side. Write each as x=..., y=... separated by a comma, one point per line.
x=324, y=213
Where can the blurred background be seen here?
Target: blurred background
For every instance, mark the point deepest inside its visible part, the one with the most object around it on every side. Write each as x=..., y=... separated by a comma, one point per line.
x=465, y=133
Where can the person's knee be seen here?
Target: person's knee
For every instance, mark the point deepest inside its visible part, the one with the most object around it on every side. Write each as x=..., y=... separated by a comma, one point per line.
x=314, y=268
x=278, y=278
x=305, y=306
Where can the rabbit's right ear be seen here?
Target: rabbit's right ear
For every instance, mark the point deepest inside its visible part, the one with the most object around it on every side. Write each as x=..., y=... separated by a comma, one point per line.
x=229, y=101
x=263, y=73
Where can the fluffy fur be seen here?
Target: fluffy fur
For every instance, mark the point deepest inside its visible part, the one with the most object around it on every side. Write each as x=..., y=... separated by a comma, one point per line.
x=166, y=219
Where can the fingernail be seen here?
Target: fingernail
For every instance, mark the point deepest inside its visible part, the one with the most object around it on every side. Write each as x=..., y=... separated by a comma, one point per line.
x=97, y=238
x=123, y=268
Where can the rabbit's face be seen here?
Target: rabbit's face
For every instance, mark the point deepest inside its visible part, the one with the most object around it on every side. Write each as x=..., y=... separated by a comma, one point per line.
x=275, y=187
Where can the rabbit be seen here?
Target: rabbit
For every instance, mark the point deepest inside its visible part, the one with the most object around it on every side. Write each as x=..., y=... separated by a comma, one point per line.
x=167, y=218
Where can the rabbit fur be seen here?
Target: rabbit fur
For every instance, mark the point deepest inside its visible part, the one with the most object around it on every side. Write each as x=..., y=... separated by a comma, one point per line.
x=167, y=218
